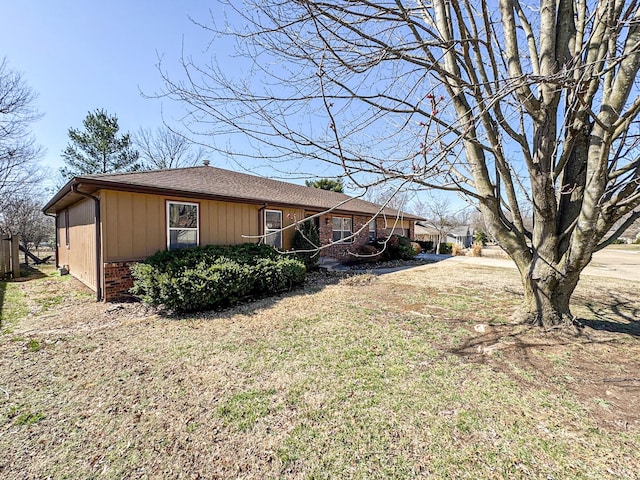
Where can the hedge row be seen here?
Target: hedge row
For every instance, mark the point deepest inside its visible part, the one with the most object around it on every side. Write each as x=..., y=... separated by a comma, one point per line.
x=214, y=276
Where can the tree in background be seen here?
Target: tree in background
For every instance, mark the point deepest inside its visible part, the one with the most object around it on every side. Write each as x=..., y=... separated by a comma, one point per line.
x=440, y=216
x=334, y=185
x=22, y=215
x=165, y=148
x=384, y=194
x=99, y=148
x=499, y=101
x=18, y=151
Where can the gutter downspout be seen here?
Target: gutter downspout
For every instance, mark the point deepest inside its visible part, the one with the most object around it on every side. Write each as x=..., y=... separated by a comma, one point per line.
x=74, y=189
x=55, y=218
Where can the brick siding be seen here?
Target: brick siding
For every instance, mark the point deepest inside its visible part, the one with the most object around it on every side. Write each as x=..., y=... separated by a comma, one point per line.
x=117, y=281
x=340, y=251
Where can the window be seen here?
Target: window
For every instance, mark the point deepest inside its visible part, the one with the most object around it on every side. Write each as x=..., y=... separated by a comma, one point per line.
x=341, y=229
x=66, y=227
x=372, y=230
x=182, y=225
x=273, y=228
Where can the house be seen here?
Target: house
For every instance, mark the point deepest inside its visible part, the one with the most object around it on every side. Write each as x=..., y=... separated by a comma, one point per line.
x=107, y=222
x=462, y=235
x=425, y=232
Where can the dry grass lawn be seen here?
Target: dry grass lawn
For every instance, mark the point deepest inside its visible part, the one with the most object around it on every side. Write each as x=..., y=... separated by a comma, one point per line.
x=416, y=374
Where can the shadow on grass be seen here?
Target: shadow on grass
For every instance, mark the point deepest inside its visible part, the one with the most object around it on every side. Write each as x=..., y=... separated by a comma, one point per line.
x=618, y=315
x=28, y=273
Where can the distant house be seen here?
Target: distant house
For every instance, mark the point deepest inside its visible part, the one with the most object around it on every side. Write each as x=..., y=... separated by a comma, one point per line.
x=107, y=222
x=427, y=232
x=462, y=235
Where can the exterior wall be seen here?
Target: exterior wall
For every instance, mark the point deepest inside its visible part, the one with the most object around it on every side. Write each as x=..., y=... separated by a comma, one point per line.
x=341, y=251
x=135, y=224
x=289, y=217
x=391, y=226
x=79, y=255
x=134, y=227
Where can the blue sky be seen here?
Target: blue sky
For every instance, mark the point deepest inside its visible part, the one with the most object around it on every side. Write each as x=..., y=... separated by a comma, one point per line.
x=82, y=55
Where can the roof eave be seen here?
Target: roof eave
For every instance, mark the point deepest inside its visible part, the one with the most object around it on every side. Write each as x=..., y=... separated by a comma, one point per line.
x=63, y=192
x=97, y=184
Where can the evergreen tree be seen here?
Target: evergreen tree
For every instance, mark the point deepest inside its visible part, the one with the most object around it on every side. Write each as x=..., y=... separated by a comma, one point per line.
x=306, y=241
x=326, y=184
x=99, y=148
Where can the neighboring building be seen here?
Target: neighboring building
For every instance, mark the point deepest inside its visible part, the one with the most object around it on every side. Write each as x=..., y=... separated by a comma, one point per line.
x=462, y=235
x=107, y=222
x=427, y=232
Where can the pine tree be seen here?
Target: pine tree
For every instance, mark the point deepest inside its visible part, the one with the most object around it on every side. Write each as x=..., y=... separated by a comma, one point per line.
x=99, y=148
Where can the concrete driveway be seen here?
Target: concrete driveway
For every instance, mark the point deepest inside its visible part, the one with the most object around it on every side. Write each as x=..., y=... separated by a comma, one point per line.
x=623, y=264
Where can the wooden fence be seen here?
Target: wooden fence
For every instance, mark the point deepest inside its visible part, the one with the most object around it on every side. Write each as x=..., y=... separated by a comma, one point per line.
x=9, y=262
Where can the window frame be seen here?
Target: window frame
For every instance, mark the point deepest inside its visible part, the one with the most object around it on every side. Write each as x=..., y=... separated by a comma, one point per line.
x=343, y=238
x=273, y=231
x=67, y=234
x=372, y=230
x=169, y=228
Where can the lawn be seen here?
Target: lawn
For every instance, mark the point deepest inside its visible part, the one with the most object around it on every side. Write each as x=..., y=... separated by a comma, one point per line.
x=416, y=374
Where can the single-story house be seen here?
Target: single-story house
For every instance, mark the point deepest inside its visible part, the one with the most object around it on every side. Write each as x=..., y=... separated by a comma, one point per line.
x=425, y=232
x=107, y=222
x=462, y=235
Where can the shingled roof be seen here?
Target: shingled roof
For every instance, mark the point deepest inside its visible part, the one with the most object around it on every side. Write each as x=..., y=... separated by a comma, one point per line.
x=216, y=183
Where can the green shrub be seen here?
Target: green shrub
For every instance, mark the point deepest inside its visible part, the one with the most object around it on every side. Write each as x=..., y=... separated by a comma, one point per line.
x=427, y=246
x=276, y=275
x=446, y=248
x=306, y=237
x=637, y=242
x=176, y=260
x=214, y=276
x=480, y=237
x=406, y=248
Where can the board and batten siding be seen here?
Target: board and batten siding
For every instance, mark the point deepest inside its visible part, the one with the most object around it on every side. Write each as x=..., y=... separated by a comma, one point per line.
x=135, y=225
x=79, y=256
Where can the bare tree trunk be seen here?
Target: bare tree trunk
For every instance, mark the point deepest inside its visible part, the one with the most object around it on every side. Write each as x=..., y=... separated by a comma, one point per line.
x=547, y=295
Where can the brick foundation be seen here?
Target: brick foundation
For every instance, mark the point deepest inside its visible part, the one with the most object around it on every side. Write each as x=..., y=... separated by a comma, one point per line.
x=117, y=281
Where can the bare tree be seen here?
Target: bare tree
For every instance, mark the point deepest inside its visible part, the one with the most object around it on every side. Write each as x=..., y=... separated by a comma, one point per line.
x=498, y=101
x=387, y=195
x=165, y=148
x=440, y=216
x=18, y=150
x=22, y=215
